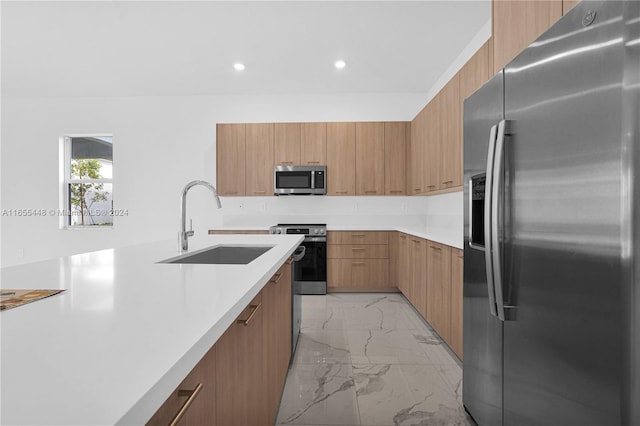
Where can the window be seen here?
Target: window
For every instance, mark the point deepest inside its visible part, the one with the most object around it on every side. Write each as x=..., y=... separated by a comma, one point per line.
x=86, y=195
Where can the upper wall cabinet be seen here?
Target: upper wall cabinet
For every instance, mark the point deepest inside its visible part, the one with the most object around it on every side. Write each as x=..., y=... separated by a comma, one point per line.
x=450, y=125
x=259, y=159
x=341, y=159
x=370, y=158
x=230, y=147
x=476, y=71
x=567, y=5
x=313, y=144
x=395, y=149
x=287, y=143
x=517, y=23
x=416, y=153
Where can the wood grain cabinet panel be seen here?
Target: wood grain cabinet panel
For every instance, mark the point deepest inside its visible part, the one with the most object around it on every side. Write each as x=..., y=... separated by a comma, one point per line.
x=259, y=159
x=404, y=265
x=202, y=411
x=230, y=159
x=417, y=153
x=394, y=259
x=518, y=23
x=357, y=237
x=395, y=163
x=357, y=251
x=341, y=159
x=276, y=300
x=287, y=144
x=370, y=179
x=457, y=266
x=439, y=288
x=476, y=71
x=450, y=135
x=241, y=398
x=418, y=277
x=432, y=145
x=313, y=144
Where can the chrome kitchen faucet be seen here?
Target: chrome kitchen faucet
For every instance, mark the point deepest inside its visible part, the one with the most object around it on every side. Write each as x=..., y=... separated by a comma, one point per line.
x=183, y=237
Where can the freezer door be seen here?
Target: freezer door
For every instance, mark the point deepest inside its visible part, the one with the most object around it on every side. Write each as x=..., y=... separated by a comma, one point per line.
x=562, y=244
x=482, y=366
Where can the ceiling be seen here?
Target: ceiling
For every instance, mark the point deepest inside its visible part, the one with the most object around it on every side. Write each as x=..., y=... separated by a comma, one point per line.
x=164, y=48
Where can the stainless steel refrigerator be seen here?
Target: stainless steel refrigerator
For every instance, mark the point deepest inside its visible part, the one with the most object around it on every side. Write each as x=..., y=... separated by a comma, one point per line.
x=551, y=294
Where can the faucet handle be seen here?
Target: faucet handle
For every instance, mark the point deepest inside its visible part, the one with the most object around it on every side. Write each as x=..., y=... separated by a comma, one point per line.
x=190, y=224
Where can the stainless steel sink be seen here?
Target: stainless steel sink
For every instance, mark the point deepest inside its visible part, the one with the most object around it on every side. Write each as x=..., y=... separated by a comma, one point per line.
x=222, y=255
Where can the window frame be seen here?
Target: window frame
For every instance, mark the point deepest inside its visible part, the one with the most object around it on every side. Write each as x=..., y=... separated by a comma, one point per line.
x=64, y=211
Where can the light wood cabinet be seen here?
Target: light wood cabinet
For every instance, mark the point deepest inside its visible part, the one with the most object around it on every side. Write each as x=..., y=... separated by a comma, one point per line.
x=450, y=135
x=476, y=71
x=518, y=23
x=457, y=267
x=370, y=178
x=439, y=288
x=417, y=152
x=395, y=148
x=433, y=145
x=404, y=264
x=241, y=393
x=341, y=159
x=276, y=299
x=287, y=144
x=418, y=277
x=196, y=393
x=394, y=259
x=358, y=261
x=230, y=159
x=567, y=5
x=259, y=159
x=313, y=144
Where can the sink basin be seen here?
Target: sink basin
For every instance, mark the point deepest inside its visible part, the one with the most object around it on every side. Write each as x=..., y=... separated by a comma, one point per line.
x=222, y=255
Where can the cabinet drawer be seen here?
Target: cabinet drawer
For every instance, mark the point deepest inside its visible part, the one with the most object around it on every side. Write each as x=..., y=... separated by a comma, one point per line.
x=360, y=251
x=355, y=273
x=357, y=237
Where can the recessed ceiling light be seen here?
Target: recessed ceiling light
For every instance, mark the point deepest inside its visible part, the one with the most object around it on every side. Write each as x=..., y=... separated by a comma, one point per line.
x=238, y=66
x=340, y=64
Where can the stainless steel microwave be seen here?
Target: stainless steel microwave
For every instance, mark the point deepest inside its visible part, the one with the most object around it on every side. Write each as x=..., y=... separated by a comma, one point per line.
x=300, y=180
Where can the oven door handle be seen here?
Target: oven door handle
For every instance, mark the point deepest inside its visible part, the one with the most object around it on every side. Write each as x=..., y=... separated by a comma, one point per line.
x=299, y=253
x=316, y=239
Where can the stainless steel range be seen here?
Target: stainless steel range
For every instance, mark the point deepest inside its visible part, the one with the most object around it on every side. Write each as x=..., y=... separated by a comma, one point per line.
x=310, y=273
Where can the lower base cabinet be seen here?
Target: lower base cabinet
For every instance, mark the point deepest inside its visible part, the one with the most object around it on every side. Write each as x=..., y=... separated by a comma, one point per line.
x=240, y=380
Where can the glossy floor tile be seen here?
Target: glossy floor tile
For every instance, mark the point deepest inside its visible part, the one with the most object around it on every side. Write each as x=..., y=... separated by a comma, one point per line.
x=368, y=359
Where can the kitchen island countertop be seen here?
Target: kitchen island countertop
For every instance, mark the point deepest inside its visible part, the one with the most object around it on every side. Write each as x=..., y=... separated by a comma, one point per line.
x=124, y=333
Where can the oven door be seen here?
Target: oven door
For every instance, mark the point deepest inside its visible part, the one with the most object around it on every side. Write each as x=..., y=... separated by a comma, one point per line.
x=310, y=272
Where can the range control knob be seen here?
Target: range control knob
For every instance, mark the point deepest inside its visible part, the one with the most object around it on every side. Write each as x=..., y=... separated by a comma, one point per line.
x=278, y=231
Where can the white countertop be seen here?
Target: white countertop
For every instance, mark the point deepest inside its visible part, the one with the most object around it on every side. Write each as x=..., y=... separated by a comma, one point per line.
x=127, y=330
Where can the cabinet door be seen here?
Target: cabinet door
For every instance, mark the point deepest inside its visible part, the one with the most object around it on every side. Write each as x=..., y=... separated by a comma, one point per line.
x=431, y=171
x=370, y=158
x=395, y=148
x=439, y=288
x=230, y=159
x=394, y=259
x=476, y=71
x=457, y=266
x=417, y=152
x=403, y=264
x=313, y=144
x=357, y=237
x=450, y=123
x=518, y=23
x=341, y=159
x=567, y=5
x=419, y=282
x=368, y=273
x=287, y=143
x=276, y=301
x=240, y=383
x=338, y=273
x=259, y=159
x=198, y=391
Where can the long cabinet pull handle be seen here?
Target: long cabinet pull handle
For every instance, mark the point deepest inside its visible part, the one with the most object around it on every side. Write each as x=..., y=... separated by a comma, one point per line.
x=435, y=248
x=370, y=192
x=231, y=192
x=431, y=186
x=396, y=191
x=289, y=261
x=286, y=162
x=251, y=315
x=358, y=263
x=277, y=278
x=259, y=192
x=313, y=162
x=488, y=193
x=191, y=394
x=357, y=248
x=447, y=182
x=358, y=235
x=341, y=192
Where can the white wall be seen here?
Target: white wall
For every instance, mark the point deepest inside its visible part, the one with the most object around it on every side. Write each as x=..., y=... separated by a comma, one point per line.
x=160, y=142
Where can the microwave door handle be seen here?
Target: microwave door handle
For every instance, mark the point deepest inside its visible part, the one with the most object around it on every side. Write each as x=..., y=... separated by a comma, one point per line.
x=488, y=204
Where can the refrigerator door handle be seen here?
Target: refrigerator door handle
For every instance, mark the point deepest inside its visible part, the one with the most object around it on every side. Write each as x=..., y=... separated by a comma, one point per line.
x=488, y=223
x=496, y=189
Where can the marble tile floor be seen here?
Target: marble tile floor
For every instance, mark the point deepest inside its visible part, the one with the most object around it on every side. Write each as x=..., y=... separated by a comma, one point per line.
x=368, y=359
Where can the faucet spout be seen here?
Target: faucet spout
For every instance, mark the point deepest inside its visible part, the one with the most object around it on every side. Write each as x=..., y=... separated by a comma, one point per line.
x=184, y=235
